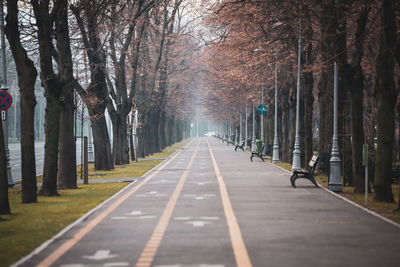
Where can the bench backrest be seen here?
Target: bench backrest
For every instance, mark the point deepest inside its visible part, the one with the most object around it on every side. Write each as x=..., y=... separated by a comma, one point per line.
x=262, y=148
x=313, y=162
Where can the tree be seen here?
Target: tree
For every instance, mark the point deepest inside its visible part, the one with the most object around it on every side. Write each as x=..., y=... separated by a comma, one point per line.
x=53, y=89
x=67, y=147
x=26, y=80
x=89, y=15
x=119, y=92
x=385, y=96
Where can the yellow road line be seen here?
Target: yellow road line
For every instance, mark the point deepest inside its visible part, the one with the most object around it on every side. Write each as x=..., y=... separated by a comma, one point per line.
x=239, y=248
x=148, y=253
x=56, y=254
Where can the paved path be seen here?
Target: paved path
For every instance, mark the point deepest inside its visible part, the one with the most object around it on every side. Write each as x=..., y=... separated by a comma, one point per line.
x=209, y=206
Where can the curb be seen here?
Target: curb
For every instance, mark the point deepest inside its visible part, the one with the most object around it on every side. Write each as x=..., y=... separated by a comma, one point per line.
x=348, y=201
x=87, y=214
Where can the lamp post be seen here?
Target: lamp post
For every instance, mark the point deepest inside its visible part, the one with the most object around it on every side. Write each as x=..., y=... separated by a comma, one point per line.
x=335, y=180
x=275, y=153
x=253, y=139
x=262, y=117
x=5, y=88
x=296, y=153
x=245, y=126
x=240, y=128
x=197, y=126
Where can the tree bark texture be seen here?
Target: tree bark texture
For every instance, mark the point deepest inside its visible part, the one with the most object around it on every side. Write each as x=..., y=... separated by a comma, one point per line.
x=385, y=95
x=27, y=75
x=53, y=89
x=67, y=147
x=355, y=80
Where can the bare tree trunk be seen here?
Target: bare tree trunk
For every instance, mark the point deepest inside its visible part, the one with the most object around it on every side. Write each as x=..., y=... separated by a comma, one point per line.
x=67, y=147
x=102, y=153
x=53, y=88
x=27, y=75
x=385, y=98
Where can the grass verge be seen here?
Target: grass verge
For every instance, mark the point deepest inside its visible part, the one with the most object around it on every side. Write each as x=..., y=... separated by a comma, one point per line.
x=388, y=210
x=32, y=224
x=133, y=169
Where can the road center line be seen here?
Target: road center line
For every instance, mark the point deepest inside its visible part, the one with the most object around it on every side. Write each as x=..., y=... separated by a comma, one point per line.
x=150, y=250
x=238, y=245
x=61, y=250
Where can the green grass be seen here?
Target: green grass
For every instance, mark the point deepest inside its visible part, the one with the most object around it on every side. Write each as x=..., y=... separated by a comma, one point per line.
x=32, y=224
x=388, y=210
x=133, y=169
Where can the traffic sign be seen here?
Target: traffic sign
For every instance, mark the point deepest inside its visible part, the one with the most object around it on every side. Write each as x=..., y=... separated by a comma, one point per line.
x=5, y=100
x=262, y=109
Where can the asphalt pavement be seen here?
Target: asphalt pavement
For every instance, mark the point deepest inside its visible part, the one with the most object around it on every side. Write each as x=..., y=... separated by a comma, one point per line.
x=209, y=206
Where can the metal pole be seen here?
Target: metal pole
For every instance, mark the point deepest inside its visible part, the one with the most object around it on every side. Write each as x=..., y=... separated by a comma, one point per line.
x=4, y=88
x=296, y=153
x=253, y=139
x=240, y=128
x=85, y=160
x=245, y=126
x=335, y=179
x=275, y=153
x=197, y=126
x=262, y=117
x=366, y=174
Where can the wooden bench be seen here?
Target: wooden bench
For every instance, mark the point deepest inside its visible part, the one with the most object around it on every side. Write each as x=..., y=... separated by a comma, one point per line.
x=258, y=154
x=240, y=146
x=306, y=174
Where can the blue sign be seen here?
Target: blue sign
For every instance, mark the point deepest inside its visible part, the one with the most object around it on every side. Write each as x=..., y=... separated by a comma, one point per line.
x=5, y=100
x=262, y=109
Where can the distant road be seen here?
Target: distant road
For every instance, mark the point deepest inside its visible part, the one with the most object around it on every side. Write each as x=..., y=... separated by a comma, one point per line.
x=15, y=157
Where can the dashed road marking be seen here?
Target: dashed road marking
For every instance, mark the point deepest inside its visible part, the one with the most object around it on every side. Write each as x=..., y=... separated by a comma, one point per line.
x=147, y=256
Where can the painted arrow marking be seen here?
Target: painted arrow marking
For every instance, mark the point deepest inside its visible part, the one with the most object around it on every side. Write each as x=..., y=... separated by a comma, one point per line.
x=109, y=264
x=100, y=255
x=161, y=182
x=199, y=197
x=135, y=213
x=197, y=223
x=191, y=265
x=152, y=193
x=201, y=183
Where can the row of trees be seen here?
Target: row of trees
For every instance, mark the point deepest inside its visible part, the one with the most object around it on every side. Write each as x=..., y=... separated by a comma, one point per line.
x=253, y=37
x=119, y=56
